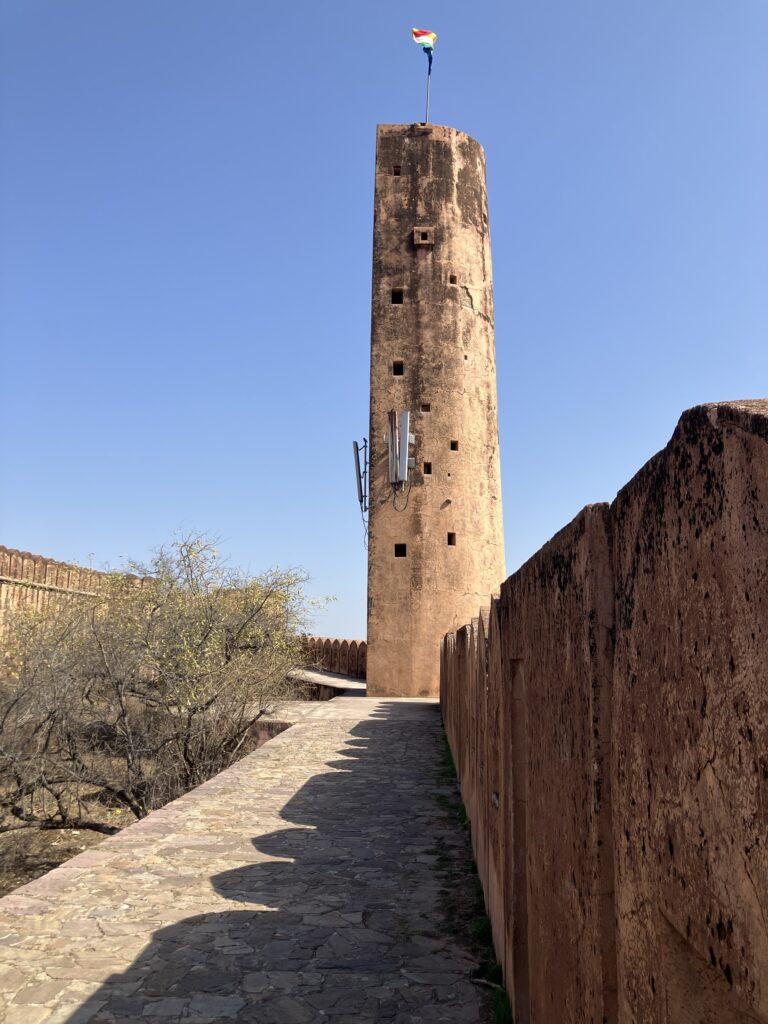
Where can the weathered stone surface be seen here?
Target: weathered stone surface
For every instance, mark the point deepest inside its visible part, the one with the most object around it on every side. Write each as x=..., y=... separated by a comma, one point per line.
x=524, y=699
x=284, y=890
x=559, y=614
x=691, y=723
x=662, y=734
x=430, y=180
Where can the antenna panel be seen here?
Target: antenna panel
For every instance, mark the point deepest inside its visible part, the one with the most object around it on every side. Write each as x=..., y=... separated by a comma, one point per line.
x=358, y=474
x=393, y=446
x=402, y=467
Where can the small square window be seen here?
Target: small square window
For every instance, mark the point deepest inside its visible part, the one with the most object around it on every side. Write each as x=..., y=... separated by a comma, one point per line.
x=396, y=170
x=397, y=296
x=400, y=551
x=425, y=407
x=423, y=235
x=453, y=279
x=454, y=446
x=427, y=469
x=451, y=540
x=398, y=368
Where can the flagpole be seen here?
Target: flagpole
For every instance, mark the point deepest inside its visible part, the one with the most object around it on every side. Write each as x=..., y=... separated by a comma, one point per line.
x=426, y=41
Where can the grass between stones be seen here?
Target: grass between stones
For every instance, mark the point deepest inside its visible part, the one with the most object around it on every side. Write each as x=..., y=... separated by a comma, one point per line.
x=462, y=893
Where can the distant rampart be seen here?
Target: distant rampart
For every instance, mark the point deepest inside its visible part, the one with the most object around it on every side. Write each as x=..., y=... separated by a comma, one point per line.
x=347, y=657
x=34, y=581
x=608, y=718
x=27, y=579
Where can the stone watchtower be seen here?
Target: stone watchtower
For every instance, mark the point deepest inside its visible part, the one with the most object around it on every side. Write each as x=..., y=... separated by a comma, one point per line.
x=435, y=547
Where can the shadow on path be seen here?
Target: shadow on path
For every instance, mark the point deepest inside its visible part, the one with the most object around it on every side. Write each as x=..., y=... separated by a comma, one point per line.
x=354, y=932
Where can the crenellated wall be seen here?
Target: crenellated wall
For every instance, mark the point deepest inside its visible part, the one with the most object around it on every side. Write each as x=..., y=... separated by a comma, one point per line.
x=33, y=580
x=347, y=657
x=608, y=716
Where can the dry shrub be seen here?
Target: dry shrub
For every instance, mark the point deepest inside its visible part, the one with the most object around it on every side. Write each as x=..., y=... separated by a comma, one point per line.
x=129, y=699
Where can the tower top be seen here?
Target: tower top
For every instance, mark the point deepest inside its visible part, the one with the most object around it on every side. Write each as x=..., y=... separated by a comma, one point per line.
x=420, y=128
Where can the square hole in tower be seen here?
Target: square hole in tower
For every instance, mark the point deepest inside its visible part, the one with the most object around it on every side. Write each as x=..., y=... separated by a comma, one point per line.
x=396, y=170
x=397, y=296
x=454, y=446
x=401, y=551
x=425, y=407
x=427, y=469
x=451, y=540
x=453, y=279
x=398, y=368
x=424, y=235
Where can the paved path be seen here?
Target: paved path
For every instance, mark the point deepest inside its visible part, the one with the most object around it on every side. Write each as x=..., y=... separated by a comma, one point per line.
x=303, y=884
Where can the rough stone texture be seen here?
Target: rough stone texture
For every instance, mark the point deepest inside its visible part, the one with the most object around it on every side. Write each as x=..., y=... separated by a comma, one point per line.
x=558, y=613
x=691, y=723
x=443, y=334
x=298, y=886
x=613, y=713
x=534, y=772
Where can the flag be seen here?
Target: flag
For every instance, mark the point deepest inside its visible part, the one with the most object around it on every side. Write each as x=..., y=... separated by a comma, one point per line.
x=424, y=38
x=426, y=41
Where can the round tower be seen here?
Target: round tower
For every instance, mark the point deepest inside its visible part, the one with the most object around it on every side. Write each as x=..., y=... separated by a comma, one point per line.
x=435, y=542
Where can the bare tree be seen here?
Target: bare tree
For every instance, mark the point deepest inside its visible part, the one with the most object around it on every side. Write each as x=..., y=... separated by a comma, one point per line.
x=129, y=699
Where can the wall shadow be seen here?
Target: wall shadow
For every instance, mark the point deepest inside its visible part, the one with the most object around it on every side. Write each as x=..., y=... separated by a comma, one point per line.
x=355, y=931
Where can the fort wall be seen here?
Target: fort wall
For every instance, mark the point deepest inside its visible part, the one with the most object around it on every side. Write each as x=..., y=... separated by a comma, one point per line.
x=28, y=580
x=347, y=657
x=608, y=716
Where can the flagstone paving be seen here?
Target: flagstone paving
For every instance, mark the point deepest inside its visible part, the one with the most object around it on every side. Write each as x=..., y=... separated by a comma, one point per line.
x=303, y=884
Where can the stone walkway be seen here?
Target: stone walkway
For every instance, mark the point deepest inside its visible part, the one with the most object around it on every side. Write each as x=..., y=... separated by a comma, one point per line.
x=301, y=885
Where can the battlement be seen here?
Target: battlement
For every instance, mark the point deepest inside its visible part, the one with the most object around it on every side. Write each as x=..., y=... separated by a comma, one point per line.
x=346, y=657
x=28, y=580
x=608, y=717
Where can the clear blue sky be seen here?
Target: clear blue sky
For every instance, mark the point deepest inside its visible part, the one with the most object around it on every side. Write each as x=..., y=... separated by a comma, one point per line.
x=185, y=236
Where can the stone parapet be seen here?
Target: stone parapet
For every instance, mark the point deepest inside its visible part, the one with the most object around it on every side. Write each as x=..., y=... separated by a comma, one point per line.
x=346, y=657
x=28, y=580
x=608, y=716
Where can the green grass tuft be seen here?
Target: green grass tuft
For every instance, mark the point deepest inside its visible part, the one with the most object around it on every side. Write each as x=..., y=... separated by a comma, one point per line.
x=480, y=932
x=502, y=1011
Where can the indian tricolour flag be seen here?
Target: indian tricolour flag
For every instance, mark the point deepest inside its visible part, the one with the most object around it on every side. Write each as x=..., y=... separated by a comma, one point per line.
x=424, y=38
x=426, y=41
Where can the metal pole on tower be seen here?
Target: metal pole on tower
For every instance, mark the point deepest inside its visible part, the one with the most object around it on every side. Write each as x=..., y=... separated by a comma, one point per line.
x=429, y=80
